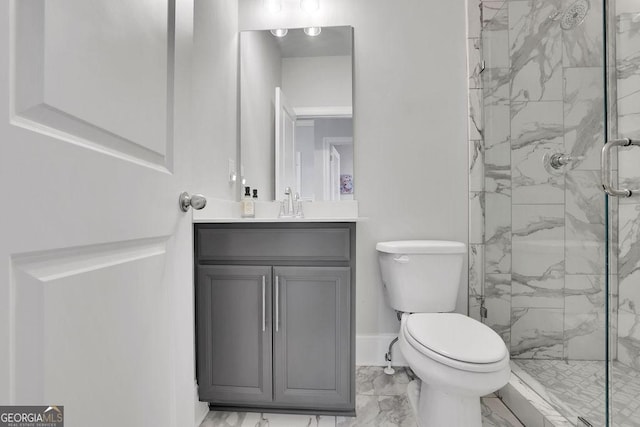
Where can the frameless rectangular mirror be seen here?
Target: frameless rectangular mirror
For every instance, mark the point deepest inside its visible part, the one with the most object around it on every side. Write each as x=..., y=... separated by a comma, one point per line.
x=296, y=117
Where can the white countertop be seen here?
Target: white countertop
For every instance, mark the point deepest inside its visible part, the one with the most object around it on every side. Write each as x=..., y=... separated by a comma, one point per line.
x=226, y=211
x=254, y=220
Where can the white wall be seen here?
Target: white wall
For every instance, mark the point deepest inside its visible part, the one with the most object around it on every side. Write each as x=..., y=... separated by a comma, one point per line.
x=261, y=66
x=409, y=127
x=215, y=87
x=320, y=81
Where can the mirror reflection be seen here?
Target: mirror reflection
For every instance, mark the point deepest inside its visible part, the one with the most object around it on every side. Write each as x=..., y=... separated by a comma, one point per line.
x=296, y=113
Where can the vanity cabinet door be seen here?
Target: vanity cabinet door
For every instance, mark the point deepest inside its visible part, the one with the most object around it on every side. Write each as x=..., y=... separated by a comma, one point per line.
x=312, y=337
x=234, y=335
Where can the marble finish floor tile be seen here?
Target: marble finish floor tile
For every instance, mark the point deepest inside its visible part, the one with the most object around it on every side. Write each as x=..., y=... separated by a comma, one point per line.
x=381, y=401
x=371, y=380
x=496, y=414
x=578, y=388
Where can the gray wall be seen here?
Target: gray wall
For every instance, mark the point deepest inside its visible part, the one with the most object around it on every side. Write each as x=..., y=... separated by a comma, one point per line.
x=409, y=127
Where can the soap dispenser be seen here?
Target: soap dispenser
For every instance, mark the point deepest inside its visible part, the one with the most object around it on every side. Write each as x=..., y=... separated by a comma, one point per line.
x=247, y=205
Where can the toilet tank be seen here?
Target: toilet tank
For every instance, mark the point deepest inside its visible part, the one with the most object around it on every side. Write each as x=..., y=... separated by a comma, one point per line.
x=421, y=276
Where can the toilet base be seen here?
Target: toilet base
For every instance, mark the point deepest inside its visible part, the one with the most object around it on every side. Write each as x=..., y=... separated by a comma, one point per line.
x=436, y=408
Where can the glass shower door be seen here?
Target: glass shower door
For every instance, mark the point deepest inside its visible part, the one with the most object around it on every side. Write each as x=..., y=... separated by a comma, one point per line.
x=544, y=248
x=623, y=102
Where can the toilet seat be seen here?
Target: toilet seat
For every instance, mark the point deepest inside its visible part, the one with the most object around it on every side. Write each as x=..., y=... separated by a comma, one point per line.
x=456, y=341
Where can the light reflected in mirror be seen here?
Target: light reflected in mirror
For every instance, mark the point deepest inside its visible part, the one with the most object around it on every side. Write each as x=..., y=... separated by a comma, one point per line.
x=297, y=113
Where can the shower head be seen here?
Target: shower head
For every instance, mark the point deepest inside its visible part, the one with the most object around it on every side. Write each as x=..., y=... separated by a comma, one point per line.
x=574, y=14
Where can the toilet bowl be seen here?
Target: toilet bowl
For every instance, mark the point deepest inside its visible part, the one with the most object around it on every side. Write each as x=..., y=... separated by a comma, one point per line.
x=454, y=371
x=457, y=358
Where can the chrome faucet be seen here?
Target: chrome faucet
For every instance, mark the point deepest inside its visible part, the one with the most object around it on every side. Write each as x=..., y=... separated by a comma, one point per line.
x=290, y=211
x=291, y=207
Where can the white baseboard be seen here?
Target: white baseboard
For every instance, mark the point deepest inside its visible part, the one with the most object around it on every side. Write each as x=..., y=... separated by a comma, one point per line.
x=370, y=350
x=201, y=409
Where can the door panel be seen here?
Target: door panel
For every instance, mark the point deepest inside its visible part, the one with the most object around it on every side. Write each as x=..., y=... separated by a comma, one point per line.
x=97, y=73
x=285, y=144
x=96, y=296
x=313, y=337
x=234, y=334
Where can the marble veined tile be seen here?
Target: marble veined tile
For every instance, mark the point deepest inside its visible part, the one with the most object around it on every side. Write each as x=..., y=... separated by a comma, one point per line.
x=629, y=258
x=578, y=388
x=249, y=419
x=475, y=114
x=495, y=49
x=629, y=338
x=536, y=129
x=474, y=62
x=497, y=293
x=585, y=228
x=476, y=271
x=536, y=51
x=536, y=333
x=628, y=75
x=288, y=420
x=476, y=166
x=538, y=256
x=583, y=44
x=495, y=15
x=476, y=217
x=497, y=129
x=584, y=318
x=496, y=414
x=380, y=411
x=584, y=117
x=497, y=167
x=231, y=419
x=371, y=380
x=495, y=86
x=497, y=233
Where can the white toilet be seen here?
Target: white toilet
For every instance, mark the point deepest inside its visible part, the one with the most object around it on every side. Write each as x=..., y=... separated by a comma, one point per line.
x=457, y=358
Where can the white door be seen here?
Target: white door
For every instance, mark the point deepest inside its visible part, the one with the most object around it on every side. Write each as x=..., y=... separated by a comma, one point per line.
x=96, y=293
x=285, y=146
x=334, y=174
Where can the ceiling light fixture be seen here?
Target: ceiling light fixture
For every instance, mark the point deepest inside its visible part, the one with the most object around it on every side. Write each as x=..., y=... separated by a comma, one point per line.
x=309, y=6
x=280, y=32
x=273, y=6
x=312, y=31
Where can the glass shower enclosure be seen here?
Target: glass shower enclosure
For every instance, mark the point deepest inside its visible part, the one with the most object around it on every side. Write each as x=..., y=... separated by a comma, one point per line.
x=558, y=259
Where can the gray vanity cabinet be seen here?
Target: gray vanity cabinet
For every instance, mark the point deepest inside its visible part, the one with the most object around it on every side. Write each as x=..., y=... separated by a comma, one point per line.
x=234, y=337
x=275, y=322
x=311, y=340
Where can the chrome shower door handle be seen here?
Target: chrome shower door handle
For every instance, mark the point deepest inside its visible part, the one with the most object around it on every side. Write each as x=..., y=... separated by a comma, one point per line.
x=605, y=167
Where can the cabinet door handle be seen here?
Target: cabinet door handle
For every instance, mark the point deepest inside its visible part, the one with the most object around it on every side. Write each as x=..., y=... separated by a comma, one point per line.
x=264, y=305
x=277, y=304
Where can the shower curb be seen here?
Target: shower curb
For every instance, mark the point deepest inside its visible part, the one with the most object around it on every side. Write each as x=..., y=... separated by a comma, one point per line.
x=528, y=406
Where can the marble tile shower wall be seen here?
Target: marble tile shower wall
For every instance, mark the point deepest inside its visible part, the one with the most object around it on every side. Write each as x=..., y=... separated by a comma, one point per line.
x=537, y=238
x=628, y=106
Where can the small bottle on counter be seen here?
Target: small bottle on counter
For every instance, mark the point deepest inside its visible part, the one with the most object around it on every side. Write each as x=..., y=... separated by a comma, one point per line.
x=255, y=194
x=247, y=205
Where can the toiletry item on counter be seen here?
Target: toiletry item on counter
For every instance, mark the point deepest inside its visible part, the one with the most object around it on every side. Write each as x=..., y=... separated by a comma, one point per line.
x=247, y=204
x=255, y=194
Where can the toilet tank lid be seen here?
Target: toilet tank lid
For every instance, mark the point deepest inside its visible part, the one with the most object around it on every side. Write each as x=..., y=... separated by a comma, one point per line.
x=422, y=247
